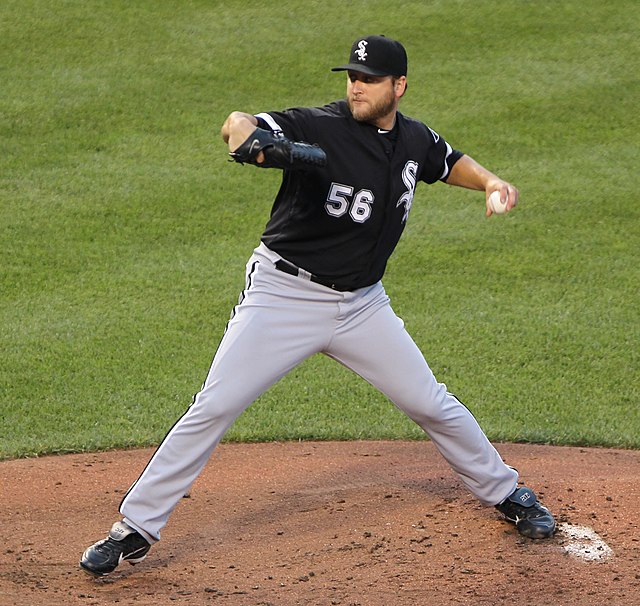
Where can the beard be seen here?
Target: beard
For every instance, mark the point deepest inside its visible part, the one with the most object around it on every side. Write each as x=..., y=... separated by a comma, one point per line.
x=372, y=113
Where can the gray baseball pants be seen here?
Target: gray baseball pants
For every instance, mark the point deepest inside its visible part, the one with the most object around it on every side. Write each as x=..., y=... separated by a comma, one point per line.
x=280, y=321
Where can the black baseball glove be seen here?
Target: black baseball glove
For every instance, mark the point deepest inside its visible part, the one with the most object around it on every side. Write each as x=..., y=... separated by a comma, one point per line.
x=278, y=152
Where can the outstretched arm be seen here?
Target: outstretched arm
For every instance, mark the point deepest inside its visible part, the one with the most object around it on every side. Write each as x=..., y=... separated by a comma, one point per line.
x=466, y=172
x=249, y=143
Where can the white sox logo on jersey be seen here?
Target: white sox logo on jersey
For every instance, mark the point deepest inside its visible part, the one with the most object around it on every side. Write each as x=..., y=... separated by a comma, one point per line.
x=362, y=50
x=409, y=178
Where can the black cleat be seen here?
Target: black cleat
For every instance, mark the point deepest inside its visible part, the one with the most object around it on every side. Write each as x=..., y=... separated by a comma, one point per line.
x=122, y=543
x=531, y=519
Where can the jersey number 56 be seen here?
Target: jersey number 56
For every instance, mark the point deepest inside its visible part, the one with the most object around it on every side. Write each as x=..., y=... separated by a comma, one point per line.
x=341, y=200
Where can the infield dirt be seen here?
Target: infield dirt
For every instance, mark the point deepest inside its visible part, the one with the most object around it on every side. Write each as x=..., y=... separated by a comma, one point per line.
x=325, y=523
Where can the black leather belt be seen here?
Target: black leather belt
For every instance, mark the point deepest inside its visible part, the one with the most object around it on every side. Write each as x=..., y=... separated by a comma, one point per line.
x=293, y=270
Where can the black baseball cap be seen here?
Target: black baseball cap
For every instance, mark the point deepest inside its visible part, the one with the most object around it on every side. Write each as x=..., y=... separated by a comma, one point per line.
x=376, y=56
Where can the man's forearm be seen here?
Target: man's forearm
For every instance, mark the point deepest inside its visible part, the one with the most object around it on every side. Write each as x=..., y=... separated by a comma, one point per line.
x=466, y=172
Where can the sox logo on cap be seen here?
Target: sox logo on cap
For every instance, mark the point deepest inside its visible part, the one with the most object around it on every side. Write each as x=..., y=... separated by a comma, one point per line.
x=362, y=50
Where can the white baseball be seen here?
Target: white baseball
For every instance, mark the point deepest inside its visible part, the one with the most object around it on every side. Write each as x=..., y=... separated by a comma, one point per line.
x=496, y=206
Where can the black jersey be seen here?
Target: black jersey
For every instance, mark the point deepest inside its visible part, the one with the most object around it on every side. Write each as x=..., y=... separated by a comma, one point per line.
x=343, y=221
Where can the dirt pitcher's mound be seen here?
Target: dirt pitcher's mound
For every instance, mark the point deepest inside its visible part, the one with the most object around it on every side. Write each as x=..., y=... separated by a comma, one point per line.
x=349, y=523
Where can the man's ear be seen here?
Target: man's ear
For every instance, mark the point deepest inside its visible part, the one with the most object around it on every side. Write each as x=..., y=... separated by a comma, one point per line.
x=401, y=86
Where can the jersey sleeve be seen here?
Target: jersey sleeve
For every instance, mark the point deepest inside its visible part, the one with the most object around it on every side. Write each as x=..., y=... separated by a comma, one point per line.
x=440, y=157
x=292, y=123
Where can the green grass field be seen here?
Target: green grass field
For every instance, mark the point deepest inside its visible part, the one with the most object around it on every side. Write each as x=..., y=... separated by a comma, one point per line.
x=124, y=230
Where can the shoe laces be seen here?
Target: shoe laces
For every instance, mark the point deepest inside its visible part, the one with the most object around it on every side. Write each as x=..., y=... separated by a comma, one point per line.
x=521, y=512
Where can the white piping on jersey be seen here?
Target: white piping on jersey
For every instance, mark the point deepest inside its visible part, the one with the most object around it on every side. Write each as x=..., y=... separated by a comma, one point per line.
x=273, y=125
x=446, y=164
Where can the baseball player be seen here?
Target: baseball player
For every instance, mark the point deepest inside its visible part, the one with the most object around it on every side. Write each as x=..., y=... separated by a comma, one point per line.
x=313, y=285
